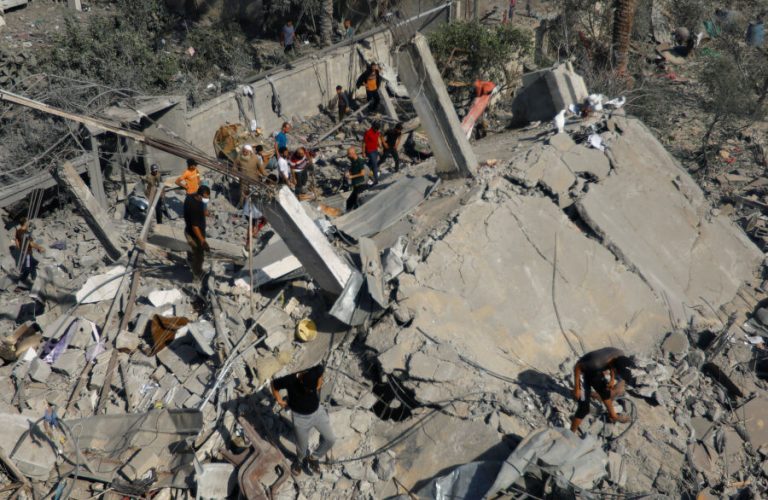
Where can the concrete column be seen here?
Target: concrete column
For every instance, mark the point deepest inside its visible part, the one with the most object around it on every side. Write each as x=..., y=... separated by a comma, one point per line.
x=307, y=243
x=95, y=216
x=95, y=175
x=448, y=142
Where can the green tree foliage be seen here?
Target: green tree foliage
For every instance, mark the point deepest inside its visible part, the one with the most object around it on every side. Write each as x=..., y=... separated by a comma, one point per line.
x=140, y=46
x=469, y=50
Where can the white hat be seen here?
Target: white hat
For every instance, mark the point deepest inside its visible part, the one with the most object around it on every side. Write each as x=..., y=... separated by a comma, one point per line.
x=248, y=148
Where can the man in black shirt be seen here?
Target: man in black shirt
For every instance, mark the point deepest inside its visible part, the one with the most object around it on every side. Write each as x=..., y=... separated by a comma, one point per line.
x=391, y=143
x=592, y=367
x=304, y=402
x=194, y=231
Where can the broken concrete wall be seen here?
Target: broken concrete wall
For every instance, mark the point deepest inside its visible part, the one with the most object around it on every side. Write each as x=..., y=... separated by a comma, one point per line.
x=308, y=83
x=546, y=92
x=655, y=218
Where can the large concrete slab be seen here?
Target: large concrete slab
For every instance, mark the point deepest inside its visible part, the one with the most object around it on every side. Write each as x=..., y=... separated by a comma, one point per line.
x=654, y=217
x=486, y=288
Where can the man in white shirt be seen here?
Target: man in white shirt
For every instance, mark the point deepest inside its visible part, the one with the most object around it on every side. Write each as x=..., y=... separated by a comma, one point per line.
x=284, y=175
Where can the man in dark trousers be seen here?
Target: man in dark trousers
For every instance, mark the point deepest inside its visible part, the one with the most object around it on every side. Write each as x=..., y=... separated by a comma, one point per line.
x=592, y=367
x=343, y=102
x=194, y=217
x=304, y=402
x=355, y=177
x=26, y=245
x=391, y=143
x=371, y=149
x=371, y=78
x=152, y=182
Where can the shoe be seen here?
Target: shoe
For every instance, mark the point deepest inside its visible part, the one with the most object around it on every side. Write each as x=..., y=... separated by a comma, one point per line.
x=313, y=464
x=296, y=468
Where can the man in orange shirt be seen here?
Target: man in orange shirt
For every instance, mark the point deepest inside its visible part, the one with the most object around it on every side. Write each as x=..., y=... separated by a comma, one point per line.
x=371, y=78
x=190, y=179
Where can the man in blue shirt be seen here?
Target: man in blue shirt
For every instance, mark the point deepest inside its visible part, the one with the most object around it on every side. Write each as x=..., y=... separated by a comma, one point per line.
x=288, y=37
x=281, y=138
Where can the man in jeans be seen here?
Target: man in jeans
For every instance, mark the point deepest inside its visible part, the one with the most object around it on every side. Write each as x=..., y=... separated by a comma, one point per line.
x=194, y=231
x=371, y=146
x=304, y=402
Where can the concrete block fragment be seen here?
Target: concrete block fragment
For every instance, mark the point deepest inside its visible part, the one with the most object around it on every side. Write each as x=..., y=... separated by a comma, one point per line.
x=70, y=362
x=756, y=421
x=202, y=334
x=140, y=463
x=159, y=298
x=39, y=370
x=215, y=481
x=546, y=92
x=562, y=141
x=676, y=344
x=178, y=358
x=127, y=341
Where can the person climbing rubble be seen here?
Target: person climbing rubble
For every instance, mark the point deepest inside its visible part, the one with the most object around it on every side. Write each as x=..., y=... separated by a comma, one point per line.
x=152, y=182
x=281, y=138
x=371, y=78
x=284, y=174
x=26, y=245
x=300, y=161
x=303, y=400
x=190, y=178
x=194, y=217
x=342, y=102
x=372, y=142
x=391, y=143
x=589, y=374
x=250, y=162
x=356, y=178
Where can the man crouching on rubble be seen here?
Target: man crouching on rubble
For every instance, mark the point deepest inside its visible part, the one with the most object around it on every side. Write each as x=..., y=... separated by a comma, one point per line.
x=304, y=402
x=592, y=367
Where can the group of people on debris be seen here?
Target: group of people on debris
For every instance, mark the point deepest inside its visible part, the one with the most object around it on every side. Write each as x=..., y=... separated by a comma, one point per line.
x=601, y=374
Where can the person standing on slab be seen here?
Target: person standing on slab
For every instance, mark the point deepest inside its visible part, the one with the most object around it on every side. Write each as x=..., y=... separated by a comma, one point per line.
x=343, y=102
x=589, y=374
x=371, y=148
x=152, y=182
x=288, y=37
x=26, y=245
x=371, y=78
x=194, y=218
x=391, y=143
x=355, y=177
x=303, y=400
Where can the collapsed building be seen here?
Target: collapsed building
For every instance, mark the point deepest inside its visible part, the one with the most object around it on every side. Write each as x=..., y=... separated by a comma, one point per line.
x=448, y=309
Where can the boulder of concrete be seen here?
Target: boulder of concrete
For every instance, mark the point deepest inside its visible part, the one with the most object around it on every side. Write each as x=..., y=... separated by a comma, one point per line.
x=546, y=92
x=676, y=344
x=127, y=341
x=756, y=421
x=202, y=332
x=39, y=370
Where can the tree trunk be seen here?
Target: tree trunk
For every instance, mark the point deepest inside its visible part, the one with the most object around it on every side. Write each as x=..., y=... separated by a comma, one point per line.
x=623, y=18
x=326, y=22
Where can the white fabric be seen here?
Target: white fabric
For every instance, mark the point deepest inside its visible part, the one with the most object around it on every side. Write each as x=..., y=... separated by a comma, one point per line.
x=283, y=168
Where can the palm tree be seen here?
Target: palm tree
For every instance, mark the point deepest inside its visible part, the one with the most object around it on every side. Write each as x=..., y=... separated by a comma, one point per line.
x=623, y=18
x=326, y=21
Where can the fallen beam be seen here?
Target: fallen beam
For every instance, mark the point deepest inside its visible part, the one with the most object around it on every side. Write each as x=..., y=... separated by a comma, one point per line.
x=95, y=216
x=305, y=240
x=173, y=238
x=429, y=96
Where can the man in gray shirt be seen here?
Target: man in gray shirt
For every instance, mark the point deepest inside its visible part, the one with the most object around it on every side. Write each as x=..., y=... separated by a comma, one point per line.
x=288, y=37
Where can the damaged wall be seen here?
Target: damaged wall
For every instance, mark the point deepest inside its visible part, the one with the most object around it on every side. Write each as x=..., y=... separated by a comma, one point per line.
x=303, y=89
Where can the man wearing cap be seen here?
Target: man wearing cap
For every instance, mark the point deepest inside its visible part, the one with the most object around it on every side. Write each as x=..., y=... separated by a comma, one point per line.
x=303, y=390
x=152, y=182
x=190, y=179
x=194, y=218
